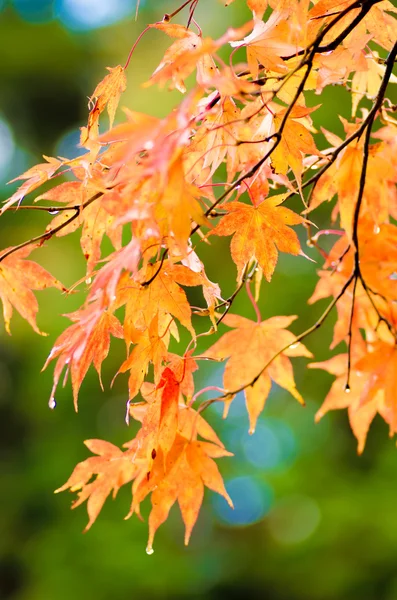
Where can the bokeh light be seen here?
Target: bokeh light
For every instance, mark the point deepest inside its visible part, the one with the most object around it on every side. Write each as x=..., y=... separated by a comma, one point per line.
x=252, y=500
x=294, y=519
x=68, y=145
x=7, y=150
x=81, y=15
x=263, y=448
x=37, y=11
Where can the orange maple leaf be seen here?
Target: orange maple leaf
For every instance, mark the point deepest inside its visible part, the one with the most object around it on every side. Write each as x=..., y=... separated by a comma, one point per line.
x=106, y=95
x=181, y=477
x=112, y=468
x=371, y=388
x=151, y=347
x=86, y=341
x=248, y=348
x=35, y=177
x=268, y=42
x=296, y=141
x=163, y=295
x=18, y=277
x=181, y=57
x=259, y=232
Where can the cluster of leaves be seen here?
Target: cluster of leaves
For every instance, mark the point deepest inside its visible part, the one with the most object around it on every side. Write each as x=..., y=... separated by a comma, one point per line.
x=224, y=162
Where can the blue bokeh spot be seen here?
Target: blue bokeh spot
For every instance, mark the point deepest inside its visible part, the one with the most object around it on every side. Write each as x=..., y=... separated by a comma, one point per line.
x=83, y=15
x=252, y=500
x=35, y=11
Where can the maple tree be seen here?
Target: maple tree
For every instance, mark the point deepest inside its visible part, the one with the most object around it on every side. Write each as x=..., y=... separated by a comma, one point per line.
x=225, y=162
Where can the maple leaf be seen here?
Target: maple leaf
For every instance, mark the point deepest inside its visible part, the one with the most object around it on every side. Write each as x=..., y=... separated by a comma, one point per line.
x=97, y=222
x=268, y=42
x=107, y=278
x=249, y=347
x=184, y=367
x=216, y=141
x=112, y=468
x=296, y=141
x=258, y=7
x=177, y=205
x=189, y=467
x=35, y=177
x=95, y=218
x=366, y=83
x=18, y=277
x=259, y=232
x=151, y=347
x=162, y=296
x=86, y=341
x=184, y=48
x=371, y=388
x=106, y=95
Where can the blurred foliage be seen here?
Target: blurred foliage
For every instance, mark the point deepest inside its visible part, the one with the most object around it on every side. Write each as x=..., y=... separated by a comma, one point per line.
x=312, y=520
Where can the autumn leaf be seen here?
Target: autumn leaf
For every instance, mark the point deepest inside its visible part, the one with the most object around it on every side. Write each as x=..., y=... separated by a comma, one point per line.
x=371, y=388
x=260, y=232
x=249, y=347
x=86, y=341
x=112, y=469
x=150, y=347
x=366, y=83
x=106, y=95
x=35, y=177
x=295, y=142
x=163, y=296
x=217, y=141
x=258, y=7
x=18, y=277
x=187, y=47
x=189, y=468
x=268, y=43
x=107, y=277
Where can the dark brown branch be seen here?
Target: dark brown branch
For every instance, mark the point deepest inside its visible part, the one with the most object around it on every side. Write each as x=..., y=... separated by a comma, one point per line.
x=40, y=239
x=349, y=336
x=153, y=277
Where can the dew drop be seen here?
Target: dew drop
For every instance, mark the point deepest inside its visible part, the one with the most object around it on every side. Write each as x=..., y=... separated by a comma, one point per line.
x=52, y=403
x=376, y=229
x=293, y=346
x=53, y=211
x=149, y=550
x=88, y=280
x=347, y=389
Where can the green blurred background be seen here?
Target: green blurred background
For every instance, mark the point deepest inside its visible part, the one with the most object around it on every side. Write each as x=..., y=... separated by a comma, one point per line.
x=312, y=520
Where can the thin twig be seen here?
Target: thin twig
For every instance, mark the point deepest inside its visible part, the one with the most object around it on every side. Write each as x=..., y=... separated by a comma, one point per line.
x=48, y=234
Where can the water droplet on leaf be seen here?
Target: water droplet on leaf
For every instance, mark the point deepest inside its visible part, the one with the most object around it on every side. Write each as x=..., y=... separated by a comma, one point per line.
x=149, y=550
x=53, y=211
x=88, y=280
x=52, y=403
